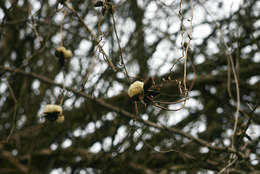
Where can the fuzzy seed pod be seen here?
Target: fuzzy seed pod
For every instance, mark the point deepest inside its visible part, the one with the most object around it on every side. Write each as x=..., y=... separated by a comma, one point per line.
x=53, y=113
x=63, y=53
x=136, y=89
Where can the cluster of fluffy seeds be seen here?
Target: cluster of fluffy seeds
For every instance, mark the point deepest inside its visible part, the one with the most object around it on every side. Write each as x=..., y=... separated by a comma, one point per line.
x=135, y=89
x=62, y=52
x=145, y=92
x=53, y=113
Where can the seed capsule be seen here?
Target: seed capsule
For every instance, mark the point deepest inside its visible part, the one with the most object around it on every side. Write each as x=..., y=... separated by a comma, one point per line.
x=53, y=113
x=136, y=89
x=62, y=52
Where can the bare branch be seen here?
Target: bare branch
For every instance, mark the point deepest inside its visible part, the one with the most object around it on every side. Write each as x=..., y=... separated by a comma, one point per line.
x=121, y=111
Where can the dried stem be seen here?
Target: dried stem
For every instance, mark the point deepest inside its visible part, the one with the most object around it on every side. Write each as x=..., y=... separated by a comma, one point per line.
x=90, y=70
x=35, y=30
x=185, y=48
x=164, y=108
x=61, y=28
x=229, y=79
x=120, y=49
x=63, y=90
x=107, y=58
x=235, y=74
x=228, y=166
x=15, y=111
x=166, y=102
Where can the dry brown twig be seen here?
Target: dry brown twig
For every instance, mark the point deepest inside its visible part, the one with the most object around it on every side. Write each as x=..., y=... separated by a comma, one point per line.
x=123, y=112
x=120, y=49
x=184, y=56
x=61, y=28
x=107, y=58
x=63, y=90
x=235, y=74
x=108, y=6
x=15, y=111
x=35, y=29
x=228, y=166
x=90, y=70
x=185, y=50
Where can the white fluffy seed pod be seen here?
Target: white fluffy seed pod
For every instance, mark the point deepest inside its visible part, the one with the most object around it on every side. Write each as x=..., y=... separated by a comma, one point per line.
x=53, y=113
x=67, y=54
x=135, y=89
x=52, y=108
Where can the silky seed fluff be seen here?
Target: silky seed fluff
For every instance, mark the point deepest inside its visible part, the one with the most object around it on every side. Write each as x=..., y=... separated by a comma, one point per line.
x=135, y=88
x=52, y=108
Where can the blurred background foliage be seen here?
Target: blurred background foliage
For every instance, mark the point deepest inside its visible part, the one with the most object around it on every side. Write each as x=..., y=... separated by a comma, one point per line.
x=97, y=138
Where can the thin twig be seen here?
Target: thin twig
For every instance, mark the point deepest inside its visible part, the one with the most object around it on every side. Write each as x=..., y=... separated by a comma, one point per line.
x=35, y=29
x=186, y=52
x=15, y=111
x=184, y=55
x=228, y=166
x=61, y=28
x=90, y=70
x=107, y=58
x=174, y=63
x=63, y=89
x=238, y=99
x=229, y=59
x=168, y=102
x=120, y=49
x=164, y=108
x=185, y=47
x=229, y=79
